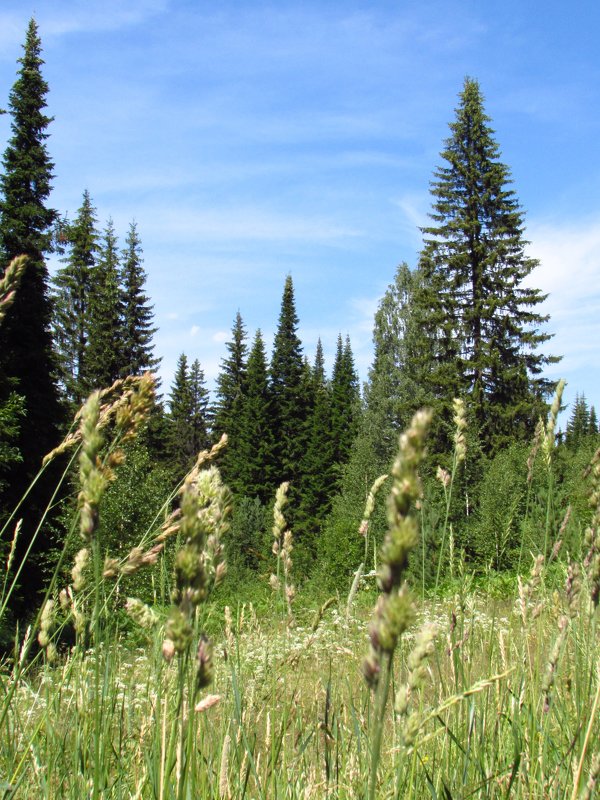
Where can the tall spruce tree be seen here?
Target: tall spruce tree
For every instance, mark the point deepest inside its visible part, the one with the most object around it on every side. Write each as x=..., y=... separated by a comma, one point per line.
x=26, y=223
x=199, y=408
x=186, y=420
x=138, y=330
x=179, y=449
x=231, y=378
x=27, y=364
x=318, y=465
x=105, y=323
x=227, y=413
x=578, y=426
x=593, y=422
x=479, y=321
x=345, y=401
x=255, y=476
x=287, y=383
x=72, y=301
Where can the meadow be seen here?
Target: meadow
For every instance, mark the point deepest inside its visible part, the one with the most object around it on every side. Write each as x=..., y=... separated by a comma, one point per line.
x=483, y=690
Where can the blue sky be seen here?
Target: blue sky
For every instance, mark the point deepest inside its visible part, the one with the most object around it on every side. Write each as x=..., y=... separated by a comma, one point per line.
x=250, y=140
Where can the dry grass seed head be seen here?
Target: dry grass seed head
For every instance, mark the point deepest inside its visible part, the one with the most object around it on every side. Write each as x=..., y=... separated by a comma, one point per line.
x=9, y=283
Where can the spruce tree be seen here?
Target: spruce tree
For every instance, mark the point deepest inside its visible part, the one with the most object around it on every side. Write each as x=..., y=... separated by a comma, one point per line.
x=186, y=421
x=578, y=426
x=138, y=331
x=286, y=383
x=72, y=301
x=105, y=322
x=179, y=436
x=231, y=378
x=26, y=222
x=481, y=325
x=199, y=408
x=345, y=401
x=318, y=465
x=227, y=417
x=255, y=476
x=593, y=422
x=27, y=364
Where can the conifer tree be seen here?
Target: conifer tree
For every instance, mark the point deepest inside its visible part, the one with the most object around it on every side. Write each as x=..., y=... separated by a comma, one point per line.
x=137, y=347
x=318, y=465
x=27, y=364
x=227, y=413
x=199, y=408
x=186, y=420
x=230, y=381
x=26, y=222
x=255, y=476
x=73, y=284
x=479, y=321
x=286, y=384
x=345, y=401
x=578, y=426
x=593, y=422
x=179, y=447
x=105, y=325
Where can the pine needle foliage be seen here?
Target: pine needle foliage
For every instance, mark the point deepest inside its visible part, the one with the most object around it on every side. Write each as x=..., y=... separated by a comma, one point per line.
x=481, y=322
x=137, y=348
x=26, y=222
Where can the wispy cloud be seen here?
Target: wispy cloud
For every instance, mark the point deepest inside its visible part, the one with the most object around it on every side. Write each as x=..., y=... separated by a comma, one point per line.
x=250, y=223
x=569, y=271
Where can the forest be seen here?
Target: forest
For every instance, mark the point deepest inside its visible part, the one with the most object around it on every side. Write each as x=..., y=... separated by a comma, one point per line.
x=155, y=539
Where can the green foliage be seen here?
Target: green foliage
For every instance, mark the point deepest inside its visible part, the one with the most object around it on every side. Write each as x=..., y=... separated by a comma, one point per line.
x=27, y=364
x=72, y=300
x=105, y=323
x=341, y=546
x=133, y=509
x=345, y=402
x=495, y=535
x=255, y=468
x=319, y=475
x=247, y=543
x=582, y=423
x=187, y=432
x=478, y=319
x=26, y=357
x=392, y=393
x=286, y=384
x=137, y=347
x=12, y=410
x=228, y=409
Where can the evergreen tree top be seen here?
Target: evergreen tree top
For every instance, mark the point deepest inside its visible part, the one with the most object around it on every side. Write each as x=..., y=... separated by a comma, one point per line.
x=26, y=181
x=286, y=362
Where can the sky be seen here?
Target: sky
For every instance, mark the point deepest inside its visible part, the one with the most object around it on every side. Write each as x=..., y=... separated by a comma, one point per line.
x=252, y=140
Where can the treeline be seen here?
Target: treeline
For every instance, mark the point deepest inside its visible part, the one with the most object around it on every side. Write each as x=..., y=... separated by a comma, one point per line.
x=284, y=418
x=460, y=324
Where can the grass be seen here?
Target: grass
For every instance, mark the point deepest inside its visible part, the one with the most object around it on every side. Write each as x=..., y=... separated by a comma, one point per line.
x=297, y=713
x=481, y=696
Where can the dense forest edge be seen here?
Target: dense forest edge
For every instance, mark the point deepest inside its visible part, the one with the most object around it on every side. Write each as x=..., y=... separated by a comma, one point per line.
x=126, y=506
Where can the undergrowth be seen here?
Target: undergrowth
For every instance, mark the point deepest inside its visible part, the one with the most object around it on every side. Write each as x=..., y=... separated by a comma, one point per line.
x=485, y=689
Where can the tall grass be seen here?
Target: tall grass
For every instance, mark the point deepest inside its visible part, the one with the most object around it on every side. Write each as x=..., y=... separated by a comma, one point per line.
x=477, y=697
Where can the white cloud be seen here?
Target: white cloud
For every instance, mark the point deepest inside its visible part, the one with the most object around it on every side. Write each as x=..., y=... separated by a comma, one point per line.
x=569, y=271
x=247, y=224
